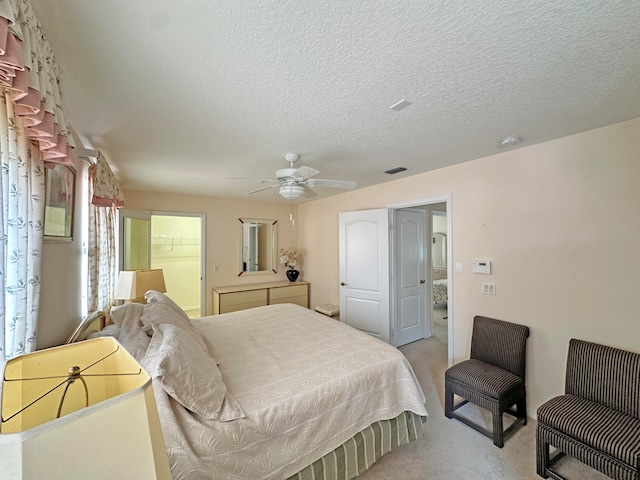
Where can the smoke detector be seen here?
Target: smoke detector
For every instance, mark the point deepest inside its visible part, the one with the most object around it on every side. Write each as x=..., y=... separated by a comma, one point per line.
x=509, y=141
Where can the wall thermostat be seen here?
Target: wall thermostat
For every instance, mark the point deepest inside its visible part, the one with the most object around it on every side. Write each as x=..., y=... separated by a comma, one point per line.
x=482, y=266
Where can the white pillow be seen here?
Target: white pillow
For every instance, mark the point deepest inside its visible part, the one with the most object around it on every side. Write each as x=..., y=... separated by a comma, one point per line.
x=189, y=375
x=108, y=331
x=153, y=296
x=131, y=335
x=128, y=314
x=156, y=313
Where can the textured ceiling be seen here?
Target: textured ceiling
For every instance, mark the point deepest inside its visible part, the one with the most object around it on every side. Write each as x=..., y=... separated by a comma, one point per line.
x=181, y=95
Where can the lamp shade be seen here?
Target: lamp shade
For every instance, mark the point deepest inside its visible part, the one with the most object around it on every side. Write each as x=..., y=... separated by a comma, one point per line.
x=133, y=284
x=117, y=435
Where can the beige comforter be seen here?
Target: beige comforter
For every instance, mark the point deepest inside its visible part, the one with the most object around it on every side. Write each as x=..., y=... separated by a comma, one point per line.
x=306, y=384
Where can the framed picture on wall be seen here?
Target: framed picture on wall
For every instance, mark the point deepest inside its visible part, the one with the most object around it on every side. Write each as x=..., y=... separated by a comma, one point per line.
x=60, y=189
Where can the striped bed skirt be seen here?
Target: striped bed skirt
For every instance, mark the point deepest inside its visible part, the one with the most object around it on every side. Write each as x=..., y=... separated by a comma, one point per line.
x=362, y=450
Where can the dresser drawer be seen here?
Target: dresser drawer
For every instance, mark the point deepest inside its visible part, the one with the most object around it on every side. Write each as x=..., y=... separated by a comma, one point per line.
x=248, y=296
x=301, y=300
x=240, y=306
x=286, y=292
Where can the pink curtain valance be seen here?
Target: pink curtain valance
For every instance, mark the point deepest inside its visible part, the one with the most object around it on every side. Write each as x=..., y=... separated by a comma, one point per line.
x=29, y=76
x=106, y=189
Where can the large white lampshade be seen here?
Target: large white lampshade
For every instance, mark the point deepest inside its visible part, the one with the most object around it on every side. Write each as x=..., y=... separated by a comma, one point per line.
x=117, y=436
x=133, y=284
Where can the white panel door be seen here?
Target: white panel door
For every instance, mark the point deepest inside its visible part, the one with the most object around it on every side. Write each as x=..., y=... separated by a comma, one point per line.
x=364, y=271
x=410, y=257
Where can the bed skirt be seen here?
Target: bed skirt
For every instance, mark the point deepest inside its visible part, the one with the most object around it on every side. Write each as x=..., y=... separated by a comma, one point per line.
x=362, y=450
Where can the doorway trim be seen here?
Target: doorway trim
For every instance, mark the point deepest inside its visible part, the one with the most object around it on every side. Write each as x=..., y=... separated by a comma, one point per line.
x=446, y=198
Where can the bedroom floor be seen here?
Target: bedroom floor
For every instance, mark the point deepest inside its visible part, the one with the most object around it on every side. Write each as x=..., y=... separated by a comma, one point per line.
x=451, y=450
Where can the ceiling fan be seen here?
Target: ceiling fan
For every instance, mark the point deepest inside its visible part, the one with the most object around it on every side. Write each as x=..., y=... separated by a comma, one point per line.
x=295, y=182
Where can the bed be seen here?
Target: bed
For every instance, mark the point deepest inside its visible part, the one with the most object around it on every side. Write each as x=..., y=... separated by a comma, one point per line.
x=274, y=392
x=440, y=285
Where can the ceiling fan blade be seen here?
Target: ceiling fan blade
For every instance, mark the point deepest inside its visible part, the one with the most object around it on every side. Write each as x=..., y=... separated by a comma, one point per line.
x=332, y=183
x=261, y=189
x=260, y=180
x=303, y=173
x=308, y=193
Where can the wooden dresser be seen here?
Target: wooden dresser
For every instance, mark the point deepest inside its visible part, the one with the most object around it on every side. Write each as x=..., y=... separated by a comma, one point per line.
x=240, y=297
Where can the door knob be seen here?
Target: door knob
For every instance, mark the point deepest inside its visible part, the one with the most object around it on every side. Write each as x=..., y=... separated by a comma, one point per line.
x=421, y=282
x=342, y=284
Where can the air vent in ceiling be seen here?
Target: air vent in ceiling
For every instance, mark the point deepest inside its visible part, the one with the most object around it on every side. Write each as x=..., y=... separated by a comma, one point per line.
x=404, y=103
x=391, y=171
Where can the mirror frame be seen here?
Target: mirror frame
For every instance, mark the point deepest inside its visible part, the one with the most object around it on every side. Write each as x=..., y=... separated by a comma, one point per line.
x=444, y=250
x=272, y=236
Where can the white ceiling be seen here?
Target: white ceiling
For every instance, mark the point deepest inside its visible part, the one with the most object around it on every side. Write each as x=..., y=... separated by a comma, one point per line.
x=180, y=95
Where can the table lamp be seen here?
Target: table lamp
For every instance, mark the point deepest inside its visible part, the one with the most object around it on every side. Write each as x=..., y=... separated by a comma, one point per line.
x=79, y=411
x=133, y=284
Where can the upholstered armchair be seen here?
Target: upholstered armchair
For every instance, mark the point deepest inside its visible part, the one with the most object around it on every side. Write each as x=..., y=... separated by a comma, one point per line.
x=493, y=378
x=597, y=420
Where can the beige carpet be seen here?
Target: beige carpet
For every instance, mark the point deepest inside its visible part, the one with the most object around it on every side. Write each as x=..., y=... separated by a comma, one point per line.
x=450, y=449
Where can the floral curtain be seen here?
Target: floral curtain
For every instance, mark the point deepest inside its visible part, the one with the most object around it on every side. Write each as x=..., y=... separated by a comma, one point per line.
x=103, y=267
x=105, y=195
x=30, y=74
x=106, y=189
x=34, y=133
x=22, y=212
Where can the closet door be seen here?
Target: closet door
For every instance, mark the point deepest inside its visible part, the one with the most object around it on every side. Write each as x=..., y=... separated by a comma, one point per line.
x=410, y=284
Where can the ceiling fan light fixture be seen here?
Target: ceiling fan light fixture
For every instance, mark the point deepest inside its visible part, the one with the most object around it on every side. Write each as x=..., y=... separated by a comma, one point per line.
x=291, y=191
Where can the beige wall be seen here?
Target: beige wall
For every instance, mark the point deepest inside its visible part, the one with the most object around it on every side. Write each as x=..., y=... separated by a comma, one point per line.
x=221, y=232
x=560, y=222
x=61, y=280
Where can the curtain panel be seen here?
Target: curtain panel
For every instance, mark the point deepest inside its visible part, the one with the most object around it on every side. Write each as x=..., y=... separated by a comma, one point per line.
x=106, y=197
x=30, y=74
x=22, y=212
x=102, y=261
x=33, y=134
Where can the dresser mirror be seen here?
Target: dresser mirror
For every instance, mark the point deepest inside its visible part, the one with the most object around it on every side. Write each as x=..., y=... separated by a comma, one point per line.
x=258, y=249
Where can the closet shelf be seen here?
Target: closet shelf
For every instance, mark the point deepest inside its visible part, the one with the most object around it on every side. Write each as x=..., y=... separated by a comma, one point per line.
x=171, y=241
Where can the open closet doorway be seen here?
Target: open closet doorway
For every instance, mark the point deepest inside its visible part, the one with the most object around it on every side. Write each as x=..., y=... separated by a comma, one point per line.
x=175, y=243
x=177, y=246
x=436, y=272
x=439, y=271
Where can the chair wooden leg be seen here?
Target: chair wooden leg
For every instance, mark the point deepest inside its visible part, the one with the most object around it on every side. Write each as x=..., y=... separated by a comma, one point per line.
x=542, y=457
x=498, y=432
x=522, y=410
x=448, y=401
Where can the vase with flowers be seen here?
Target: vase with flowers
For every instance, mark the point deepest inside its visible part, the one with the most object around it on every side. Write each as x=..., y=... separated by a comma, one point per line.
x=290, y=258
